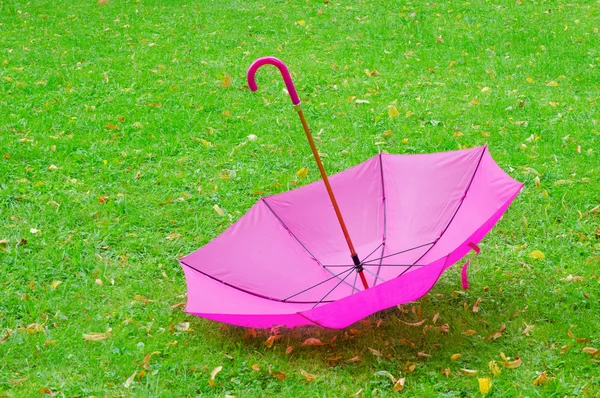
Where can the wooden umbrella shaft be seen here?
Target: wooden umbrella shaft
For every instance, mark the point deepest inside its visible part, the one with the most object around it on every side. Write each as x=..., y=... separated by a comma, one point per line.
x=338, y=213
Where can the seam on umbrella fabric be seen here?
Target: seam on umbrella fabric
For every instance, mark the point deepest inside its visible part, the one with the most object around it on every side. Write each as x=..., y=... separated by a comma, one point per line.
x=248, y=291
x=384, y=219
x=296, y=238
x=455, y=212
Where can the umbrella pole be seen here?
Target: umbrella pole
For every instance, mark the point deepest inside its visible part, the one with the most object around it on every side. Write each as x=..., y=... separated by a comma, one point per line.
x=338, y=213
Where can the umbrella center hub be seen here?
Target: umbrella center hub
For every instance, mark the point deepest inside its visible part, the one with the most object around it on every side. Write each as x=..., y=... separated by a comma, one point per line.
x=358, y=265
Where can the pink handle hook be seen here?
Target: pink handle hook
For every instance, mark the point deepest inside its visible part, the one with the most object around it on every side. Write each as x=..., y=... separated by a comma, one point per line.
x=284, y=73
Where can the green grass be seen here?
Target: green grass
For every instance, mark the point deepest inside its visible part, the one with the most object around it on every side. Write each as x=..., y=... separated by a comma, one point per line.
x=127, y=101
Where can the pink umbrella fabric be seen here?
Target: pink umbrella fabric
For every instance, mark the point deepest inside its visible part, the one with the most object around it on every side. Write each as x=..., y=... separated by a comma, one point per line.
x=285, y=262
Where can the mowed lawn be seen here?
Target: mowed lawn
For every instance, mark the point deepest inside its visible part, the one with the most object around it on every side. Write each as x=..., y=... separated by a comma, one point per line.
x=124, y=128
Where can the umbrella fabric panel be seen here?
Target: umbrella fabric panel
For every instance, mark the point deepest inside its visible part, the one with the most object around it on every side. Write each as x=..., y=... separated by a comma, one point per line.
x=258, y=254
x=309, y=214
x=422, y=193
x=491, y=189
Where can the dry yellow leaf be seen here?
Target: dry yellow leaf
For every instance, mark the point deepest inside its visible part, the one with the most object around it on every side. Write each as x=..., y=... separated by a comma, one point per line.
x=485, y=385
x=269, y=342
x=541, y=379
x=55, y=284
x=455, y=357
x=529, y=80
x=486, y=90
x=592, y=351
x=494, y=368
x=393, y=112
x=129, y=380
x=219, y=210
x=255, y=367
x=277, y=374
x=308, y=376
x=94, y=336
x=214, y=372
x=552, y=84
x=528, y=329
x=409, y=113
x=513, y=364
x=302, y=173
x=301, y=22
x=469, y=372
x=469, y=332
x=537, y=254
x=445, y=372
x=399, y=385
x=99, y=282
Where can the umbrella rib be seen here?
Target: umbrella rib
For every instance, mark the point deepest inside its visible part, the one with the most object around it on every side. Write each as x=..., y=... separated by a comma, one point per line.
x=248, y=291
x=332, y=289
x=376, y=276
x=384, y=217
x=457, y=209
x=375, y=265
x=318, y=284
x=294, y=235
x=400, y=252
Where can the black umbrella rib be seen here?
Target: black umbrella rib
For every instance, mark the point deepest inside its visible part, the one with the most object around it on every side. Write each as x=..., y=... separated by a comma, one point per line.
x=400, y=252
x=457, y=209
x=318, y=284
x=332, y=289
x=375, y=265
x=248, y=291
x=294, y=235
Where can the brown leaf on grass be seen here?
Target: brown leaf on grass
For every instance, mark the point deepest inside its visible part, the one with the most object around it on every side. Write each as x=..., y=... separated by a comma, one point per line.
x=592, y=351
x=312, y=342
x=494, y=368
x=48, y=391
x=18, y=381
x=129, y=380
x=406, y=342
x=422, y=354
x=422, y=321
x=409, y=367
x=225, y=80
x=102, y=2
x=469, y=332
x=213, y=374
x=541, y=379
x=146, y=361
x=255, y=367
x=468, y=372
x=32, y=328
x=476, y=306
x=354, y=359
x=497, y=334
x=269, y=342
x=513, y=364
x=178, y=305
x=173, y=236
x=435, y=318
x=445, y=372
x=276, y=374
x=455, y=357
x=308, y=376
x=564, y=349
x=399, y=385
x=289, y=350
x=112, y=126
x=528, y=329
x=375, y=352
x=6, y=336
x=102, y=199
x=94, y=336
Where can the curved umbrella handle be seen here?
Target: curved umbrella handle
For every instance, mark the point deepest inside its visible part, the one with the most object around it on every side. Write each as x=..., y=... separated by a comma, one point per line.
x=284, y=73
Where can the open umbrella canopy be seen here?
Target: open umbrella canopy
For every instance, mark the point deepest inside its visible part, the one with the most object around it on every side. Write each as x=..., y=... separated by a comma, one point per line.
x=312, y=257
x=285, y=262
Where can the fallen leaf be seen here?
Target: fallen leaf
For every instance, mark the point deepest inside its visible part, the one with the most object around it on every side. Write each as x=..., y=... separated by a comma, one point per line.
x=218, y=210
x=469, y=372
x=178, y=305
x=469, y=332
x=513, y=364
x=102, y=2
x=414, y=323
x=128, y=382
x=215, y=371
x=494, y=368
x=94, y=336
x=375, y=352
x=445, y=372
x=18, y=381
x=486, y=90
x=174, y=235
x=52, y=167
x=592, y=351
x=406, y=342
x=255, y=367
x=48, y=391
x=225, y=80
x=269, y=342
x=393, y=112
x=102, y=199
x=277, y=374
x=289, y=349
x=312, y=342
x=476, y=306
x=423, y=354
x=528, y=329
x=99, y=282
x=399, y=385
x=537, y=254
x=6, y=336
x=485, y=385
x=455, y=357
x=541, y=379
x=55, y=284
x=146, y=362
x=409, y=367
x=33, y=328
x=302, y=173
x=354, y=359
x=308, y=376
x=552, y=83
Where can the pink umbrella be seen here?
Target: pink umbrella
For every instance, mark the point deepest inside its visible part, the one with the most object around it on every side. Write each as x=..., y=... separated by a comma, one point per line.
x=395, y=223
